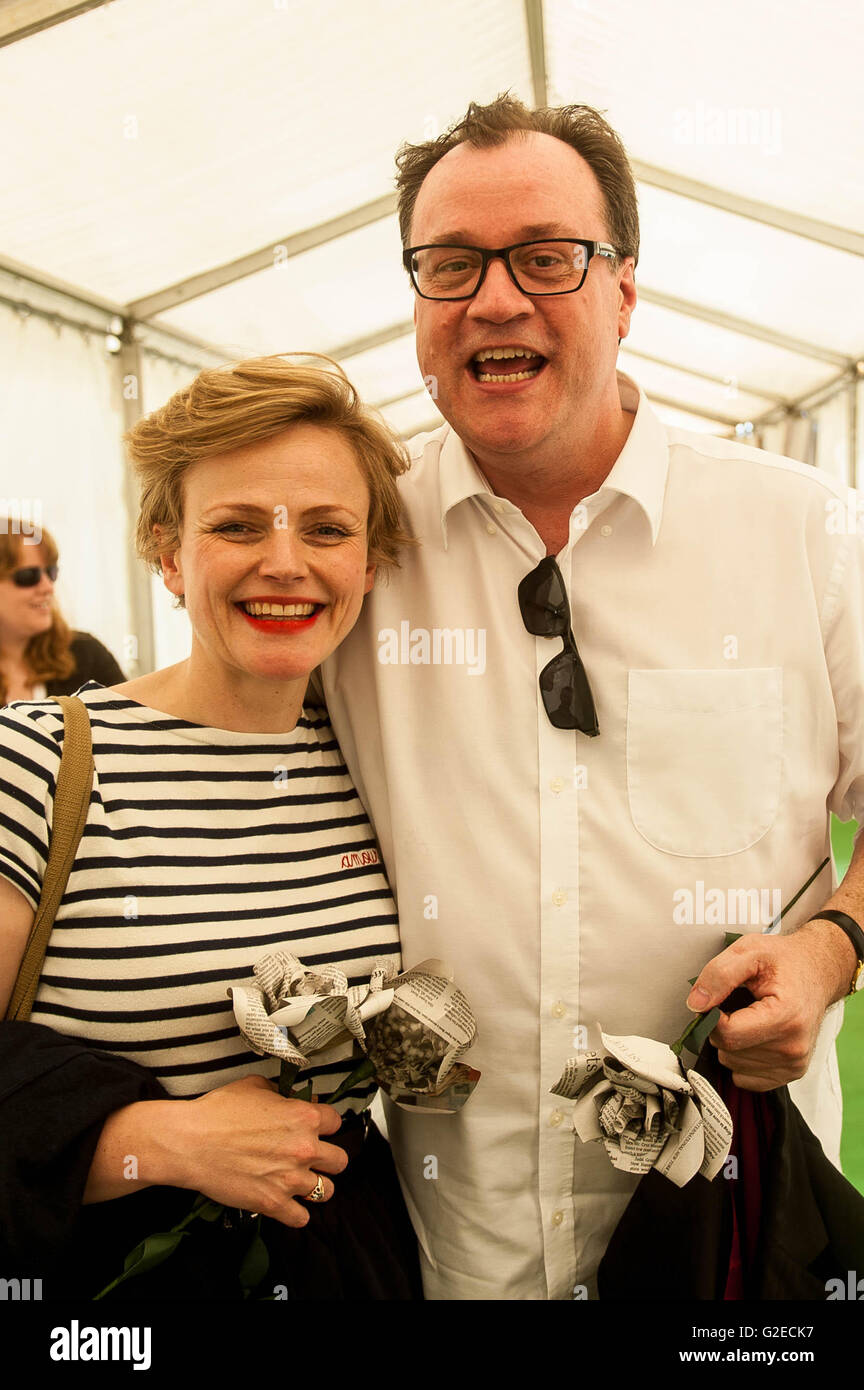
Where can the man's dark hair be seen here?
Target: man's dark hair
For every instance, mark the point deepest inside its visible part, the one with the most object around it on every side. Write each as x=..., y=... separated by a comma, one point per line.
x=581, y=127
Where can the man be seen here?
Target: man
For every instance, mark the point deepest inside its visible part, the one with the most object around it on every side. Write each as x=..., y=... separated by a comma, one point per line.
x=564, y=872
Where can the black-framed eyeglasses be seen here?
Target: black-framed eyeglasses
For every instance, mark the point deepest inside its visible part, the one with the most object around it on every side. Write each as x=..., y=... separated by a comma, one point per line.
x=557, y=265
x=564, y=686
x=30, y=575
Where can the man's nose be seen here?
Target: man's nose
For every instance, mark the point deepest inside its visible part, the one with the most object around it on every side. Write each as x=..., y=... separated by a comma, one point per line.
x=498, y=298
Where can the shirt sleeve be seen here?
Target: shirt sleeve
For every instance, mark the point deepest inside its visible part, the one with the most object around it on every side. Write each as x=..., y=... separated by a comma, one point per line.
x=843, y=628
x=30, y=749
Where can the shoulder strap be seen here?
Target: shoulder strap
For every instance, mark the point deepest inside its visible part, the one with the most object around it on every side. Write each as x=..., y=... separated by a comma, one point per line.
x=71, y=803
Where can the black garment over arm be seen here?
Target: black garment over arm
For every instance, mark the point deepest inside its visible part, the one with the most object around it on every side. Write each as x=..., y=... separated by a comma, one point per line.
x=55, y=1096
x=93, y=662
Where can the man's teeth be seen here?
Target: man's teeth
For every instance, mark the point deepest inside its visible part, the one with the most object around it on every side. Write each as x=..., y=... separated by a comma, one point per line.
x=498, y=354
x=507, y=376
x=279, y=610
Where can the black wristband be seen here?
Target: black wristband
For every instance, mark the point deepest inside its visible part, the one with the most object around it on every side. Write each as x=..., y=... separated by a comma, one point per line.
x=848, y=925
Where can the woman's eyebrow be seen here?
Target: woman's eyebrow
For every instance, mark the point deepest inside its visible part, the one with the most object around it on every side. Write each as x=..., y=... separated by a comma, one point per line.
x=250, y=507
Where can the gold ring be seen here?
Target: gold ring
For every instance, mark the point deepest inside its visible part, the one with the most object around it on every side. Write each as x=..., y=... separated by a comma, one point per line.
x=317, y=1193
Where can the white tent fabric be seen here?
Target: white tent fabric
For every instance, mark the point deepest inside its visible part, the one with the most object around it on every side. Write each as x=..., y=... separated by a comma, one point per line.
x=208, y=182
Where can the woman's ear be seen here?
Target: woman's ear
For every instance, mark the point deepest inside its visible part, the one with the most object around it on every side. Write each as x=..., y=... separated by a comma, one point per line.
x=370, y=578
x=172, y=572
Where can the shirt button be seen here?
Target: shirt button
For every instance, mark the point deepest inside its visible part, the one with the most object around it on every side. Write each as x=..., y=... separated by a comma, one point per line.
x=557, y=1218
x=491, y=528
x=558, y=1010
x=605, y=530
x=559, y=897
x=499, y=506
x=555, y=1118
x=557, y=785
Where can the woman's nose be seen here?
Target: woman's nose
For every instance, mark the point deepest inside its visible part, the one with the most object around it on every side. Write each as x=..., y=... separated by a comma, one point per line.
x=286, y=556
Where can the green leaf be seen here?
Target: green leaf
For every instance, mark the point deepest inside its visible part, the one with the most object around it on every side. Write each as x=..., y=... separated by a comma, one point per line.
x=287, y=1076
x=365, y=1069
x=211, y=1211
x=256, y=1263
x=705, y=1025
x=152, y=1251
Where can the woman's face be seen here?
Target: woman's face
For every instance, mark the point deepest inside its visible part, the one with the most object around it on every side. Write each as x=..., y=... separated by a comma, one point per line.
x=281, y=522
x=24, y=613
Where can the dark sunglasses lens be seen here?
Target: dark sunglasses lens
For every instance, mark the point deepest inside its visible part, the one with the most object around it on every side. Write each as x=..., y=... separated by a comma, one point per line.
x=567, y=695
x=543, y=601
x=30, y=575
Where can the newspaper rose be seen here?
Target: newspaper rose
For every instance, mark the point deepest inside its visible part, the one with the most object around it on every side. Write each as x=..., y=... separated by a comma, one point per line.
x=291, y=1011
x=414, y=1045
x=412, y=1028
x=647, y=1109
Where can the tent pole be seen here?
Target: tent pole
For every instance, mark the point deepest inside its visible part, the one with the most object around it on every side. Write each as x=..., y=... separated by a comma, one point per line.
x=852, y=415
x=139, y=646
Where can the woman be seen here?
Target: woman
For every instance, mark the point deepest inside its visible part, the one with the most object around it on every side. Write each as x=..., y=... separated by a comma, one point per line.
x=220, y=819
x=39, y=655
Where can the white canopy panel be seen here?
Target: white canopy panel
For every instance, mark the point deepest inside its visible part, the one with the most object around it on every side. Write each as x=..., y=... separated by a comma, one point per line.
x=344, y=290
x=155, y=142
x=154, y=139
x=760, y=97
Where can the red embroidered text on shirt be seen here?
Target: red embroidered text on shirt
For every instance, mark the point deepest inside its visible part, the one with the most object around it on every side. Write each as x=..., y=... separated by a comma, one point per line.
x=359, y=858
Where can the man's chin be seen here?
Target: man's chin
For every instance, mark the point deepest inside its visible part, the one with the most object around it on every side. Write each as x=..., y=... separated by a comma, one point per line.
x=503, y=439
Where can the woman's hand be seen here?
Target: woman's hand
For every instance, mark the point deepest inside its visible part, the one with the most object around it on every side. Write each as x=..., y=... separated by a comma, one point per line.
x=252, y=1148
x=243, y=1145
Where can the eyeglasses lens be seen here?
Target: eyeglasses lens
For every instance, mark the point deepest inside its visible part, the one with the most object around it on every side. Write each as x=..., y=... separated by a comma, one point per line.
x=30, y=575
x=453, y=272
x=543, y=600
x=567, y=695
x=564, y=686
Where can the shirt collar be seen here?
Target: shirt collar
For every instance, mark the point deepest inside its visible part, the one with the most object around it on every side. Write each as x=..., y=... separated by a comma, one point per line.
x=639, y=472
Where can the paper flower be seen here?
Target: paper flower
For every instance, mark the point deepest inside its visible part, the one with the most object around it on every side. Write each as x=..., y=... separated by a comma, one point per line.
x=415, y=1044
x=648, y=1110
x=291, y=1011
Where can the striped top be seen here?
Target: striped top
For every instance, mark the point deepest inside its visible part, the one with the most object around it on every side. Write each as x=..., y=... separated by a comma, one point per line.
x=203, y=851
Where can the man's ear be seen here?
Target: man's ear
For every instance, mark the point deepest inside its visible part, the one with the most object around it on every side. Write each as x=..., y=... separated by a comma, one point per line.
x=627, y=298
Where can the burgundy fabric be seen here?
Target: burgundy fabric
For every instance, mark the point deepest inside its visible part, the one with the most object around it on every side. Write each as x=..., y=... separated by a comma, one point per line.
x=752, y=1137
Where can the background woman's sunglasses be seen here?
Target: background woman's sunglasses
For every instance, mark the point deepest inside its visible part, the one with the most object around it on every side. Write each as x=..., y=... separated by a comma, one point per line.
x=564, y=686
x=31, y=574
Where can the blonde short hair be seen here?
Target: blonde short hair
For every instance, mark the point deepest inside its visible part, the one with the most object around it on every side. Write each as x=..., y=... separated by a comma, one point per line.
x=227, y=408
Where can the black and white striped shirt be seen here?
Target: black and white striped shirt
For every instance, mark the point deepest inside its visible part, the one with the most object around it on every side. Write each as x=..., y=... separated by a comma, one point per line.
x=203, y=850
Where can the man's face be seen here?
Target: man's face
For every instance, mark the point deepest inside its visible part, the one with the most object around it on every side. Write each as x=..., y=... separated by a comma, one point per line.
x=528, y=188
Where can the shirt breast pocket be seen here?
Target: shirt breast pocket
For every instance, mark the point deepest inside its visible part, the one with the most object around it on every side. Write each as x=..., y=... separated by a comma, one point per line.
x=704, y=758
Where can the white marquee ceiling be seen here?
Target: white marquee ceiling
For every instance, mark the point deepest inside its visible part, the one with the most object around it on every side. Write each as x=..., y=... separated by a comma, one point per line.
x=147, y=142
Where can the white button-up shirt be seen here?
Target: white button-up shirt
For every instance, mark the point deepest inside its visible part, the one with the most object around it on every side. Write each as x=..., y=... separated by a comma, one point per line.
x=716, y=599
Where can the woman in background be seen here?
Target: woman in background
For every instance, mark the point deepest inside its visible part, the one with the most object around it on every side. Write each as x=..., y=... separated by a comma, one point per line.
x=39, y=654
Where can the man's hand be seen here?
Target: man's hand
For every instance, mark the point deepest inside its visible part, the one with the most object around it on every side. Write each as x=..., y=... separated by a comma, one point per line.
x=793, y=978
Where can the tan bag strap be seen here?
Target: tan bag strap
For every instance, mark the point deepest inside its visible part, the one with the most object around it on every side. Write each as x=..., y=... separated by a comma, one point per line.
x=71, y=803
